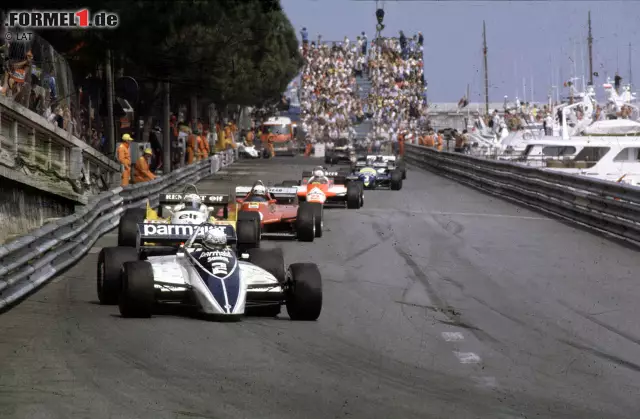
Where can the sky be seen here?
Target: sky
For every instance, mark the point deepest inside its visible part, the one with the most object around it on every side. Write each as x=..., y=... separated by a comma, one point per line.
x=534, y=40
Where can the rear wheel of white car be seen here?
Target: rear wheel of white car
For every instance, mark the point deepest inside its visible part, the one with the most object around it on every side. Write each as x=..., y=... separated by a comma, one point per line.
x=403, y=168
x=354, y=195
x=137, y=296
x=306, y=222
x=304, y=292
x=128, y=227
x=110, y=261
x=396, y=180
x=248, y=230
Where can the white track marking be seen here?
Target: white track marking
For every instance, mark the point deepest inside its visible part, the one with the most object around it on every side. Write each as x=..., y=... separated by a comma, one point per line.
x=473, y=214
x=452, y=336
x=467, y=357
x=486, y=381
x=466, y=214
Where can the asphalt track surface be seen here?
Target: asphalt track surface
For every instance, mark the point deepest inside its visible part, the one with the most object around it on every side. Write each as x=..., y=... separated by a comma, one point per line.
x=440, y=302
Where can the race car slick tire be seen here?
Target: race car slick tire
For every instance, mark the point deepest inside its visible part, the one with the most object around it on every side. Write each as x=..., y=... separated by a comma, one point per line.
x=403, y=168
x=137, y=296
x=110, y=261
x=319, y=214
x=361, y=186
x=354, y=195
x=271, y=260
x=304, y=292
x=128, y=227
x=306, y=222
x=396, y=180
x=248, y=230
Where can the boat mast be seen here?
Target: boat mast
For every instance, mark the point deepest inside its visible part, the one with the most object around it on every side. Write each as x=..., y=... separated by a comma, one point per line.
x=630, y=74
x=590, y=40
x=486, y=68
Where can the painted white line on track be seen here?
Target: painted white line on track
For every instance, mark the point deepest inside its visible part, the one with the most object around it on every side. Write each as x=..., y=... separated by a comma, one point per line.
x=467, y=357
x=464, y=214
x=452, y=336
x=473, y=214
x=485, y=381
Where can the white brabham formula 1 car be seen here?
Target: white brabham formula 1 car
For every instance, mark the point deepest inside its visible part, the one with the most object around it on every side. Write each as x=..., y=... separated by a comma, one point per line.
x=214, y=281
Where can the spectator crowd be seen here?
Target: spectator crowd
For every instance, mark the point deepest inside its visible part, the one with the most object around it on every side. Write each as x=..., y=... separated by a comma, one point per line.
x=329, y=101
x=398, y=97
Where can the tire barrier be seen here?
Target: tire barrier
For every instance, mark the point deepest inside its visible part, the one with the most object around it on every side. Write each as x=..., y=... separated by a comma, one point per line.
x=31, y=260
x=611, y=208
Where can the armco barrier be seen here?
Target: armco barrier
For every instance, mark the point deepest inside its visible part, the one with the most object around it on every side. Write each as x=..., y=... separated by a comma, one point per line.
x=28, y=262
x=608, y=207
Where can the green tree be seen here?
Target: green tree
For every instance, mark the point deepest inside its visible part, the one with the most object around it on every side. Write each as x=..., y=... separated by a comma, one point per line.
x=234, y=52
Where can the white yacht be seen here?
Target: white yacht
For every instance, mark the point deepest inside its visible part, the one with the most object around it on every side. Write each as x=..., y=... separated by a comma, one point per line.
x=615, y=159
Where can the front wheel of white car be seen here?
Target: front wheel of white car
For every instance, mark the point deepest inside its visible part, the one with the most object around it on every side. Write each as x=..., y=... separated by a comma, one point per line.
x=304, y=292
x=137, y=296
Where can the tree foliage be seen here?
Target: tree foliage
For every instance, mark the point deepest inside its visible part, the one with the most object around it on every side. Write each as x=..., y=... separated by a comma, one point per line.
x=232, y=52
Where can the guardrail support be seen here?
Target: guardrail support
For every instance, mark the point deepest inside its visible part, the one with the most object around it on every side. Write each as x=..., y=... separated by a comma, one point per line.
x=75, y=163
x=14, y=137
x=32, y=145
x=49, y=157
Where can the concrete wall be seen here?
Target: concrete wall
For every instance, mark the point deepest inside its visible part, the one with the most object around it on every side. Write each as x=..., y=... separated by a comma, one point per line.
x=44, y=170
x=23, y=208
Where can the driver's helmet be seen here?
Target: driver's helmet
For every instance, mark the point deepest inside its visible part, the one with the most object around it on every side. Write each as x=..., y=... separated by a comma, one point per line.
x=192, y=202
x=318, y=172
x=214, y=239
x=259, y=190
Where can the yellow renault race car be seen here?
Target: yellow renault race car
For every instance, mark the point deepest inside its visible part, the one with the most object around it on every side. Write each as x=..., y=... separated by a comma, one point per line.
x=179, y=212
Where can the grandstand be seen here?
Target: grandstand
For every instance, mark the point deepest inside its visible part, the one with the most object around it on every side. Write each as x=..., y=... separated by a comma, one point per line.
x=329, y=100
x=396, y=85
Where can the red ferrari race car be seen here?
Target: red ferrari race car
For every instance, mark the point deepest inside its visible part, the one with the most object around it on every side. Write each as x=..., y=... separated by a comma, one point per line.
x=331, y=189
x=281, y=214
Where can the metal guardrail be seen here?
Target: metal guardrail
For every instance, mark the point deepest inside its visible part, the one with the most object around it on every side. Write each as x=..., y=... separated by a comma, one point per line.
x=28, y=262
x=608, y=207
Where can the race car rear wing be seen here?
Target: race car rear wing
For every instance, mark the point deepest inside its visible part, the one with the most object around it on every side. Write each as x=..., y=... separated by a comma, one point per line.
x=384, y=158
x=283, y=195
x=337, y=177
x=210, y=200
x=179, y=233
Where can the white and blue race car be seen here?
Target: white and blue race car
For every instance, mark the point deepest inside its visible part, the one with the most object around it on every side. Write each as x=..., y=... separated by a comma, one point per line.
x=179, y=270
x=377, y=172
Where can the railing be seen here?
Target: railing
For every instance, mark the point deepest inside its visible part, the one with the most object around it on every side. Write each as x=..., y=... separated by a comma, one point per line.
x=608, y=207
x=28, y=262
x=49, y=157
